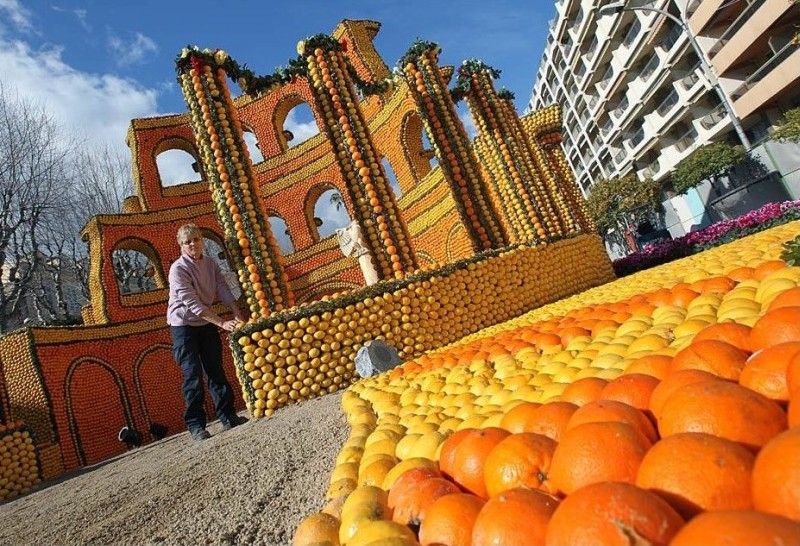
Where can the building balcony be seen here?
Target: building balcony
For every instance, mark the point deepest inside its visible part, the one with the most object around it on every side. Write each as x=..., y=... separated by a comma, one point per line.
x=651, y=171
x=667, y=104
x=778, y=77
x=713, y=118
x=735, y=26
x=619, y=111
x=686, y=140
x=620, y=156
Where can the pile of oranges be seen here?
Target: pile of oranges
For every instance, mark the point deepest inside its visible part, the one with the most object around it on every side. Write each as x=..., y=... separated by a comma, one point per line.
x=19, y=470
x=669, y=416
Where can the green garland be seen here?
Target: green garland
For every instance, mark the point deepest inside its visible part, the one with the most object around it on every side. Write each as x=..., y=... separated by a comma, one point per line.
x=464, y=77
x=253, y=84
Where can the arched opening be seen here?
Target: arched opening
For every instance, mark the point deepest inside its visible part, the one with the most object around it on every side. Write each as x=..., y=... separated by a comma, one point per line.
x=294, y=122
x=280, y=230
x=177, y=163
x=136, y=267
x=214, y=249
x=158, y=382
x=326, y=211
x=391, y=178
x=253, y=147
x=419, y=153
x=96, y=409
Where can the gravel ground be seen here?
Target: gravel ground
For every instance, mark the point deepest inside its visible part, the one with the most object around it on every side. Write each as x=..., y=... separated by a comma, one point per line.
x=250, y=485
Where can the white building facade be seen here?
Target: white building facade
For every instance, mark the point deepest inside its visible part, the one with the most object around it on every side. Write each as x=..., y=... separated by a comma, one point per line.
x=634, y=95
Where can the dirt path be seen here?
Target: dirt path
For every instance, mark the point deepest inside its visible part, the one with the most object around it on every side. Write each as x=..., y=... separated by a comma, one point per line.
x=250, y=485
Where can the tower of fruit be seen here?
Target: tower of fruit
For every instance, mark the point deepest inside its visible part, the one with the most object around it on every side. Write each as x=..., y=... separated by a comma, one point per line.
x=374, y=204
x=543, y=131
x=229, y=170
x=510, y=156
x=452, y=146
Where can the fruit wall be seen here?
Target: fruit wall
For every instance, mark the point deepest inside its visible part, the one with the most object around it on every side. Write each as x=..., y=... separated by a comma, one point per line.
x=75, y=387
x=19, y=467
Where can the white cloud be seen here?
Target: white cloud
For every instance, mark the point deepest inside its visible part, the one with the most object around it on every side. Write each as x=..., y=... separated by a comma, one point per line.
x=96, y=108
x=133, y=51
x=466, y=119
x=302, y=130
x=19, y=15
x=79, y=14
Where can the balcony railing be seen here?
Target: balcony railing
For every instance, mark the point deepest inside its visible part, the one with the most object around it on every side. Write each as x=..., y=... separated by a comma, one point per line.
x=621, y=108
x=671, y=37
x=651, y=170
x=765, y=69
x=668, y=103
x=690, y=79
x=712, y=118
x=637, y=137
x=686, y=140
x=633, y=31
x=650, y=68
x=619, y=157
x=592, y=48
x=591, y=100
x=736, y=25
x=607, y=127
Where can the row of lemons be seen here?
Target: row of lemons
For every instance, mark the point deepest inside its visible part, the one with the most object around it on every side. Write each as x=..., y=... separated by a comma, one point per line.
x=400, y=420
x=19, y=470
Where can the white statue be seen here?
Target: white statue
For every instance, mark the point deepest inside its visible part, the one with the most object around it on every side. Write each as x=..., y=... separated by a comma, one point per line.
x=351, y=243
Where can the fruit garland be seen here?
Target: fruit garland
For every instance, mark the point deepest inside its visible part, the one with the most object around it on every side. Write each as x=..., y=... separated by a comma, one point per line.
x=497, y=119
x=227, y=162
x=452, y=145
x=375, y=207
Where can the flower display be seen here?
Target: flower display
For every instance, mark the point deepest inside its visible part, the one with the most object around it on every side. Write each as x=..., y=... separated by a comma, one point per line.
x=725, y=231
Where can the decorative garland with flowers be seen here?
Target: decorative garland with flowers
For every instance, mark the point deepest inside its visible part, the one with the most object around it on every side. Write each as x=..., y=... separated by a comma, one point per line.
x=374, y=204
x=226, y=160
x=254, y=84
x=452, y=145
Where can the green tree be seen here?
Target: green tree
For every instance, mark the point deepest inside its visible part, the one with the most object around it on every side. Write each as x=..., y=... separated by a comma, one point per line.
x=623, y=202
x=789, y=126
x=709, y=162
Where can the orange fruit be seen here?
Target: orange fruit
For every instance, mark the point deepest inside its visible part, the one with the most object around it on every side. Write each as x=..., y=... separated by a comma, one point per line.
x=717, y=357
x=682, y=297
x=724, y=409
x=612, y=514
x=714, y=284
x=633, y=389
x=655, y=365
x=741, y=273
x=738, y=528
x=793, y=412
x=583, y=390
x=596, y=452
x=671, y=383
x=411, y=507
x=763, y=270
x=613, y=411
x=518, y=516
x=449, y=520
x=408, y=481
x=793, y=375
x=776, y=476
x=448, y=452
x=781, y=325
x=787, y=298
x=570, y=333
x=517, y=418
x=470, y=457
x=734, y=333
x=521, y=460
x=694, y=471
x=550, y=419
x=765, y=371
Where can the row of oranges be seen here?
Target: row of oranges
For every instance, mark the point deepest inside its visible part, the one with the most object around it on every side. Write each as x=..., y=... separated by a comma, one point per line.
x=582, y=419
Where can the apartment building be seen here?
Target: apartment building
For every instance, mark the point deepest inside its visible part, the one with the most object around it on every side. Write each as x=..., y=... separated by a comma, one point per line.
x=634, y=94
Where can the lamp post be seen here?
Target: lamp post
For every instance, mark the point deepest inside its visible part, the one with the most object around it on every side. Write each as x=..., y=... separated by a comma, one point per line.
x=704, y=66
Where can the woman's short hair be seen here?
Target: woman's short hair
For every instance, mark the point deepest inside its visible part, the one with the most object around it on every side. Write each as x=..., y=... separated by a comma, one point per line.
x=187, y=231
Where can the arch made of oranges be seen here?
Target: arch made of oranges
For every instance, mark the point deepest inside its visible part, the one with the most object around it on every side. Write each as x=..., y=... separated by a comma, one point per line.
x=375, y=207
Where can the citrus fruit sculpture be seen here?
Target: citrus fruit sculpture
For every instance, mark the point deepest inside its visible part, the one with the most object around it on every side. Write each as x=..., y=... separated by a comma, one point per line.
x=661, y=408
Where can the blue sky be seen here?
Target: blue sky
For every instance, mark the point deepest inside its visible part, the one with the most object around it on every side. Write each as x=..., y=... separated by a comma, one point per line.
x=96, y=64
